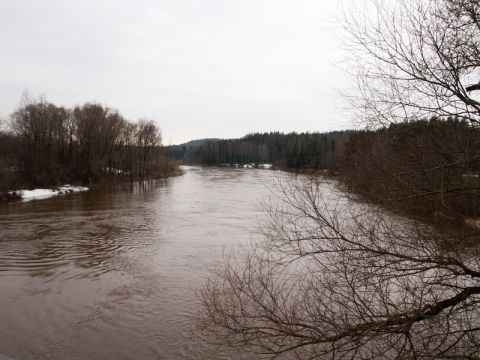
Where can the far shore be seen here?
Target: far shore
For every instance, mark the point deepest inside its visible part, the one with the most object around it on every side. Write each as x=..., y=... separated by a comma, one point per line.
x=40, y=193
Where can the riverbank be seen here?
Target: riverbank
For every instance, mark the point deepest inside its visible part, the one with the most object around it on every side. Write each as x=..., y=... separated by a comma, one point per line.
x=51, y=191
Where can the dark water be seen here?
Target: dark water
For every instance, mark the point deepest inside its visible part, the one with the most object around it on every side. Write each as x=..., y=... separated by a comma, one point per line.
x=111, y=274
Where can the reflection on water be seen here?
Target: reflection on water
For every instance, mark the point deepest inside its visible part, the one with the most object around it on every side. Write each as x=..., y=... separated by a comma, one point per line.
x=111, y=274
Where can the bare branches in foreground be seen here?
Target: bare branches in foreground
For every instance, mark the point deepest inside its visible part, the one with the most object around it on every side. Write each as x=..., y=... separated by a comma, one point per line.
x=332, y=278
x=415, y=59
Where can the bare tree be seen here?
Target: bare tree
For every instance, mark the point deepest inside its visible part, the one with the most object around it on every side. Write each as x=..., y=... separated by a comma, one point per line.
x=416, y=59
x=148, y=140
x=332, y=278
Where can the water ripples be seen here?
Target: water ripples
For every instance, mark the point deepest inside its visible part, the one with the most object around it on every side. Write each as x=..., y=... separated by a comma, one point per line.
x=112, y=274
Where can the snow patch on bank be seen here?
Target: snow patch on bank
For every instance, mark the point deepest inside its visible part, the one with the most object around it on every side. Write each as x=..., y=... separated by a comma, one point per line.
x=46, y=193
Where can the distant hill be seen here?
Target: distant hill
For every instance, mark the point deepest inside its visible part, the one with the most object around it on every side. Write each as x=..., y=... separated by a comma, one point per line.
x=179, y=151
x=197, y=142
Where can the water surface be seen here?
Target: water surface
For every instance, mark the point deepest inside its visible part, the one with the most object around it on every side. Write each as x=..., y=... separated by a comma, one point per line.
x=111, y=274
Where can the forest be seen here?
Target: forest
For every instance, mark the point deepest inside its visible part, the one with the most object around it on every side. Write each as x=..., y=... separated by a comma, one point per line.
x=295, y=151
x=426, y=168
x=43, y=144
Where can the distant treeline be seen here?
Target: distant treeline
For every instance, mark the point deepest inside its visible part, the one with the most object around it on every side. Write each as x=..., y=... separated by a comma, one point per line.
x=44, y=145
x=429, y=168
x=294, y=150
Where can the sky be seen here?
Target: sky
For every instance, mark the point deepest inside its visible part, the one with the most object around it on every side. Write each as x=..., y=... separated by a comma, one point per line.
x=200, y=69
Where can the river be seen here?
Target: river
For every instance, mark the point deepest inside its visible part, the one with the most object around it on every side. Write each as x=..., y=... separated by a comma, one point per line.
x=112, y=273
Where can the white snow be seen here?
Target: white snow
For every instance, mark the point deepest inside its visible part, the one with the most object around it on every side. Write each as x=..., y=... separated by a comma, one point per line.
x=46, y=193
x=114, y=171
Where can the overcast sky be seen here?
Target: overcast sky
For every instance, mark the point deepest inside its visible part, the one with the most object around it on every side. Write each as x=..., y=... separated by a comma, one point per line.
x=210, y=68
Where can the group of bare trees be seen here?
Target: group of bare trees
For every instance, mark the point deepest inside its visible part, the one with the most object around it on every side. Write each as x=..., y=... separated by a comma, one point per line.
x=85, y=144
x=332, y=277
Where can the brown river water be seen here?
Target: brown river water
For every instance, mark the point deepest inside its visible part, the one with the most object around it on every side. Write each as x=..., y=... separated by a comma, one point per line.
x=112, y=273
